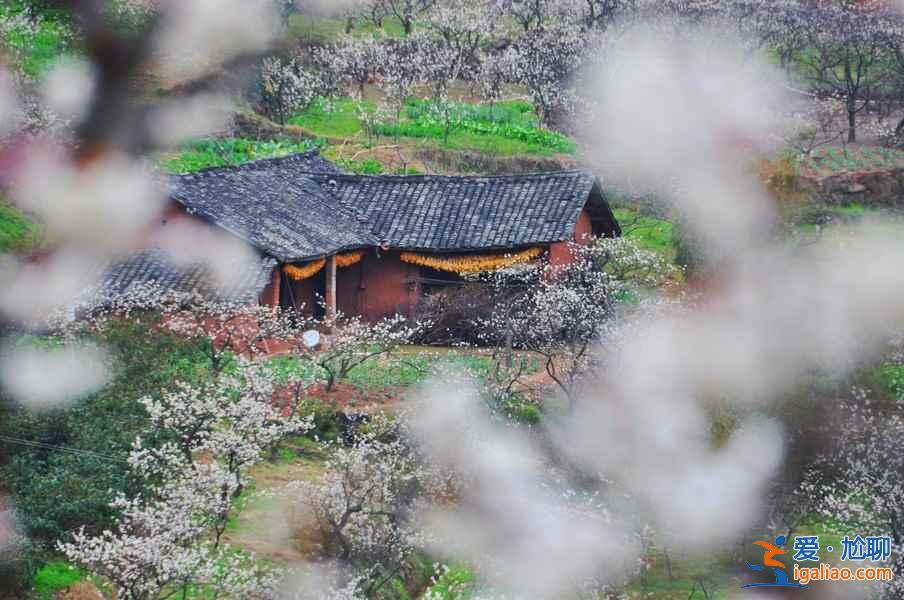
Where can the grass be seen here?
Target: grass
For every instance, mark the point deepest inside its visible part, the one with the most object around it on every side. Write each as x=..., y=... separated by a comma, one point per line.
x=336, y=117
x=719, y=572
x=650, y=233
x=297, y=458
x=507, y=128
x=685, y=579
x=204, y=154
x=55, y=577
x=839, y=220
x=17, y=233
x=403, y=369
x=325, y=30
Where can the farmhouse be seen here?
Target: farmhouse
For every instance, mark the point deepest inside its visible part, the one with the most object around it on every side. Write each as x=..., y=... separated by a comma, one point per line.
x=371, y=245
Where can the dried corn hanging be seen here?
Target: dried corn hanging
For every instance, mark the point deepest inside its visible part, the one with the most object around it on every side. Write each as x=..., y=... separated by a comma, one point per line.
x=304, y=272
x=349, y=258
x=476, y=263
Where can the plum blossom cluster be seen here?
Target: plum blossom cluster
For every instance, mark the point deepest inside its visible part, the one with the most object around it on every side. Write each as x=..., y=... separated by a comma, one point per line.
x=452, y=47
x=286, y=87
x=111, y=197
x=858, y=481
x=353, y=342
x=194, y=460
x=560, y=312
x=362, y=509
x=232, y=328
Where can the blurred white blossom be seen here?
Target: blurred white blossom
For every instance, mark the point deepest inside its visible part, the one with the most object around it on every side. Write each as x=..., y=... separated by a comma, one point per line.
x=68, y=88
x=41, y=378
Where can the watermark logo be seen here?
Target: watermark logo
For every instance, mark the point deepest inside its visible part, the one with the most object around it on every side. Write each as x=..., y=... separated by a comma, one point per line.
x=770, y=551
x=876, y=549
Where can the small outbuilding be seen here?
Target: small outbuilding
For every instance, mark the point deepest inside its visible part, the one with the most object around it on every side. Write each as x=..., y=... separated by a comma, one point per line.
x=371, y=245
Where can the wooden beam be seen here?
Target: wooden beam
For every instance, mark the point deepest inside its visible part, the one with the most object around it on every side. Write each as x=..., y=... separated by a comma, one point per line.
x=274, y=288
x=331, y=288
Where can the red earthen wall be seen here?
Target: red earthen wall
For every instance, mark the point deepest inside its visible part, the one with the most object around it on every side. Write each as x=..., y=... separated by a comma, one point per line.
x=380, y=285
x=386, y=287
x=560, y=253
x=349, y=293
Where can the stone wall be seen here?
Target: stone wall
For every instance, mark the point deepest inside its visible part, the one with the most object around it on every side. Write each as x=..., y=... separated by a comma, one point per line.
x=873, y=188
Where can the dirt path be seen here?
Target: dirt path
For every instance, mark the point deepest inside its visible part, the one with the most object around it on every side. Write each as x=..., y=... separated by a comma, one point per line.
x=264, y=524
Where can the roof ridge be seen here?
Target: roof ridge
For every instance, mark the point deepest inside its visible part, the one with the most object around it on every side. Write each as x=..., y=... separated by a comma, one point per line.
x=394, y=176
x=271, y=160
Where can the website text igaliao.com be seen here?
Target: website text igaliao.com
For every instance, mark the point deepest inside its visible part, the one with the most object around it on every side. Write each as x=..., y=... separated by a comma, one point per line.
x=824, y=572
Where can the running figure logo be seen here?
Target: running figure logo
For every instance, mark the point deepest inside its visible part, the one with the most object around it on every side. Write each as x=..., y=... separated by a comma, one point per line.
x=770, y=551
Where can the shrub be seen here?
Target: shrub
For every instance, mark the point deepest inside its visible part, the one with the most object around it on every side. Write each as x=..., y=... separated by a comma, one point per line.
x=17, y=233
x=369, y=166
x=522, y=410
x=891, y=380
x=37, y=41
x=454, y=313
x=327, y=424
x=453, y=583
x=55, y=491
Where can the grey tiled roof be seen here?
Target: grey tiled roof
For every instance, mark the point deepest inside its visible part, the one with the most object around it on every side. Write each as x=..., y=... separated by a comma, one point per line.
x=274, y=206
x=302, y=207
x=303, y=162
x=448, y=214
x=153, y=272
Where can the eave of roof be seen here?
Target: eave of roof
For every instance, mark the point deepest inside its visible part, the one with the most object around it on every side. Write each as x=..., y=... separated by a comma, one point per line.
x=274, y=206
x=459, y=214
x=301, y=207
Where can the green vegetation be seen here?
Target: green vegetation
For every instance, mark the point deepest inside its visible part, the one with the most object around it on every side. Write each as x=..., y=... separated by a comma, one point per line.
x=829, y=161
x=456, y=583
x=17, y=233
x=403, y=369
x=671, y=578
x=35, y=44
x=56, y=492
x=504, y=125
x=890, y=378
x=55, y=577
x=506, y=128
x=657, y=235
x=336, y=117
x=323, y=30
x=226, y=152
x=314, y=29
x=368, y=166
x=819, y=218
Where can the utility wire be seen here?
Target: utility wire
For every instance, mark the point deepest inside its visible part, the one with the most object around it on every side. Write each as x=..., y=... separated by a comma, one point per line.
x=75, y=451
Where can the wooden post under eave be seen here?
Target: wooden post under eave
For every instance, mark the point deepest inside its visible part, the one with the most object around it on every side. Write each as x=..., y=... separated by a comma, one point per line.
x=275, y=281
x=331, y=289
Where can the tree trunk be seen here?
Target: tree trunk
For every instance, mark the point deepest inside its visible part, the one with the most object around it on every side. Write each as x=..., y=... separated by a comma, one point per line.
x=852, y=125
x=899, y=128
x=509, y=348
